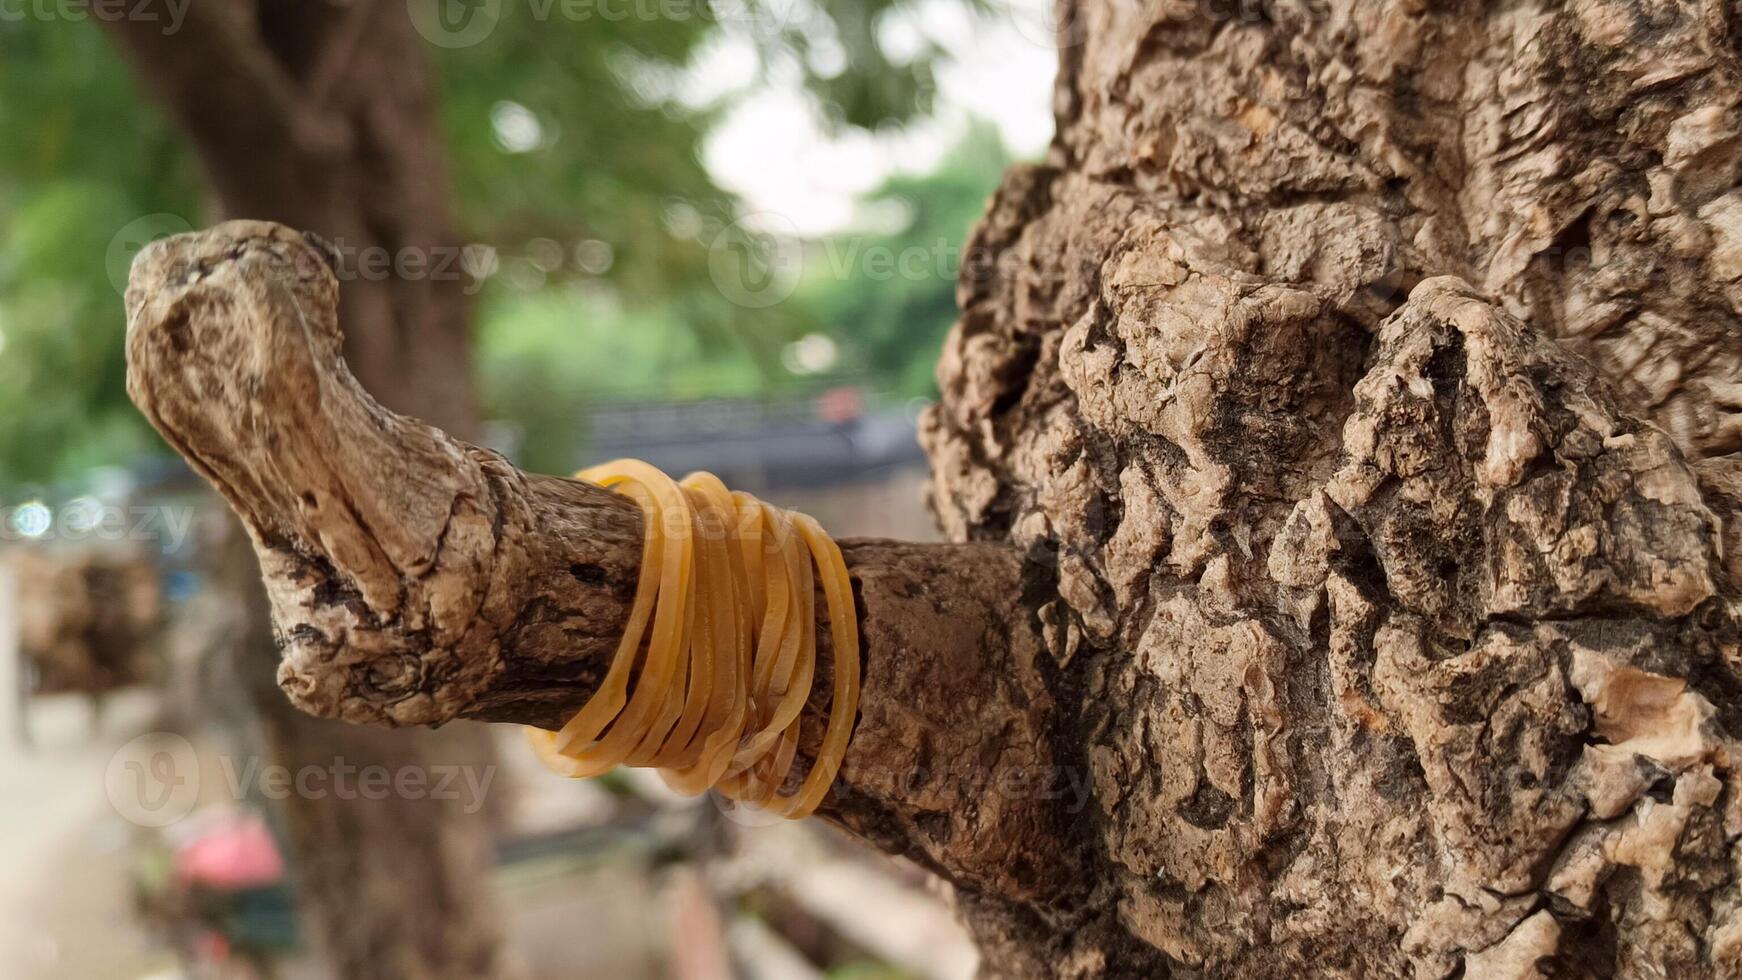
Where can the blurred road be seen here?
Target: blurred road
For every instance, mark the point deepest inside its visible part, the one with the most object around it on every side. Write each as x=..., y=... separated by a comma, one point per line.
x=64, y=849
x=66, y=903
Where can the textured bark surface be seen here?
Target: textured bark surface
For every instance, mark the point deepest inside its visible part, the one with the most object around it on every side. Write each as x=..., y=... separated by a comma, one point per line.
x=1369, y=377
x=324, y=114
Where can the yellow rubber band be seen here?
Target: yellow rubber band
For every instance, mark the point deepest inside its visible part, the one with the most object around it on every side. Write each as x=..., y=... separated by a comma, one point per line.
x=725, y=611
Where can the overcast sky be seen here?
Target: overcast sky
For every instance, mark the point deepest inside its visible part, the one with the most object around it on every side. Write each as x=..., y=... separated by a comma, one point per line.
x=770, y=150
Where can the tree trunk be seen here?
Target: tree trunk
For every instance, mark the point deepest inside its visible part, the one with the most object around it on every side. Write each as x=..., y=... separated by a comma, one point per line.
x=1369, y=375
x=324, y=115
x=1345, y=421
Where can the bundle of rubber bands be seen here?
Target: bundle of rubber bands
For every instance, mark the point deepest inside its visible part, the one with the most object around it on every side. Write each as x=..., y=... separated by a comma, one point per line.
x=723, y=631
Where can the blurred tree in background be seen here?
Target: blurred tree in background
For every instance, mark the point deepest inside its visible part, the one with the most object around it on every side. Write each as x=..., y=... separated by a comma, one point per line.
x=576, y=154
x=890, y=298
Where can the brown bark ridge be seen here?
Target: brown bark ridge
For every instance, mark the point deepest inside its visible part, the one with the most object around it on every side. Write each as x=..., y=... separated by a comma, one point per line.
x=1373, y=373
x=324, y=115
x=415, y=579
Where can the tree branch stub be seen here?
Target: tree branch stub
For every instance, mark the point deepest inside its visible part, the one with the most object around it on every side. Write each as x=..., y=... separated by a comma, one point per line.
x=416, y=579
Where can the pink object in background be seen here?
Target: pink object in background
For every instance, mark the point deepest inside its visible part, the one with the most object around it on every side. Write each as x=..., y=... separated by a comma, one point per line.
x=839, y=406
x=235, y=852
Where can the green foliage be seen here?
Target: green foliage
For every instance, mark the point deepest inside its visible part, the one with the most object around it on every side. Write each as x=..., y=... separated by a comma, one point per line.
x=606, y=130
x=876, y=91
x=545, y=357
x=619, y=171
x=571, y=154
x=890, y=298
x=887, y=298
x=598, y=159
x=81, y=157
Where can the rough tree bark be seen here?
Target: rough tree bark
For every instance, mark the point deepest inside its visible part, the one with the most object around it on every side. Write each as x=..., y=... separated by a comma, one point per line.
x=324, y=115
x=1371, y=375
x=1347, y=435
